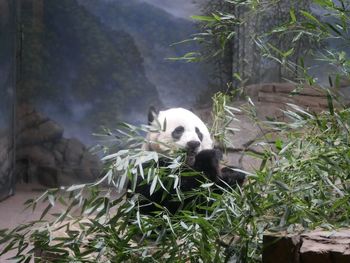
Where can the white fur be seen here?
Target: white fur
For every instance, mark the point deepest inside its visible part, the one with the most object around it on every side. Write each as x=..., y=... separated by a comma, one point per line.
x=160, y=139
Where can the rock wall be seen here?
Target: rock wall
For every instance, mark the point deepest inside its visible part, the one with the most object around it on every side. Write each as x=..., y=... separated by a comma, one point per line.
x=270, y=99
x=278, y=95
x=43, y=154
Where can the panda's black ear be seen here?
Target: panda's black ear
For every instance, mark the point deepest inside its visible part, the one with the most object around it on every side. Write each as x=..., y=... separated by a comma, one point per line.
x=152, y=113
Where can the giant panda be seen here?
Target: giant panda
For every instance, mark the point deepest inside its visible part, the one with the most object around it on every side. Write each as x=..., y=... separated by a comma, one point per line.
x=178, y=129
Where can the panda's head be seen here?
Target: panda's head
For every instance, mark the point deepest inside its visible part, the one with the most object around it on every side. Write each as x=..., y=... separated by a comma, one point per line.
x=177, y=128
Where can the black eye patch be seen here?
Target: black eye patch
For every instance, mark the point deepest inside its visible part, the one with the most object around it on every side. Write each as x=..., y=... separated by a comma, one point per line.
x=177, y=133
x=200, y=135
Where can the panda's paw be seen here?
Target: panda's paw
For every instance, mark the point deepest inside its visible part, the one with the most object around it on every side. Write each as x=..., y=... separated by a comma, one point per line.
x=212, y=155
x=208, y=162
x=190, y=159
x=231, y=177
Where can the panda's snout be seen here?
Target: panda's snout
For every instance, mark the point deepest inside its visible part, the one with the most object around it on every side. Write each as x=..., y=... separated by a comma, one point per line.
x=193, y=145
x=192, y=149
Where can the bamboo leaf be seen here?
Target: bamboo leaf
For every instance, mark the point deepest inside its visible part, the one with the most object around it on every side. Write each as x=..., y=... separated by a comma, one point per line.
x=153, y=185
x=330, y=103
x=204, y=18
x=292, y=15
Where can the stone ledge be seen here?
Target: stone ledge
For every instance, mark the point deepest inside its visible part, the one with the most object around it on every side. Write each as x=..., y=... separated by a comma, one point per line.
x=286, y=88
x=315, y=246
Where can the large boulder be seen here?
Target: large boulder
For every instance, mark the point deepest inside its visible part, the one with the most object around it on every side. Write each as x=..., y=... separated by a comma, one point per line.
x=36, y=155
x=74, y=152
x=35, y=128
x=43, y=154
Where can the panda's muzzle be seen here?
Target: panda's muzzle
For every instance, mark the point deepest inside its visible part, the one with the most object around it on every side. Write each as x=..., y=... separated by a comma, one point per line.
x=193, y=146
x=192, y=149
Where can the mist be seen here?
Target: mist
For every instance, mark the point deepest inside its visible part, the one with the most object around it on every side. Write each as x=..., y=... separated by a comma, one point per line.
x=179, y=8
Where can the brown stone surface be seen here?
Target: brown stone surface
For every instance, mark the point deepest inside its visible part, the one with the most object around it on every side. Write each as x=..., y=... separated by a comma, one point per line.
x=305, y=90
x=325, y=246
x=308, y=102
x=289, y=88
x=275, y=97
x=270, y=110
x=311, y=247
x=252, y=91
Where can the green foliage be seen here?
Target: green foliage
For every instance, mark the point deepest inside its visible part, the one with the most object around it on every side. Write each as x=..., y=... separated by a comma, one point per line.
x=223, y=119
x=302, y=184
x=270, y=40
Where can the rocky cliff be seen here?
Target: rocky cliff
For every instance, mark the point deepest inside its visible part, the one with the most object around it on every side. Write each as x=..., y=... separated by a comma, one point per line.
x=43, y=154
